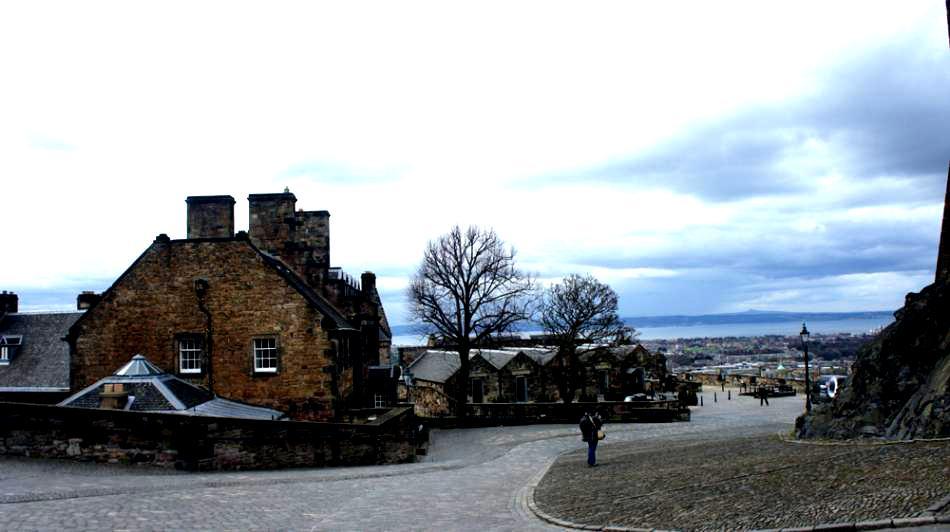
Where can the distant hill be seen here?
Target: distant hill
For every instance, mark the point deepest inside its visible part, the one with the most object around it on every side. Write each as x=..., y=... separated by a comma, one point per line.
x=752, y=316
x=749, y=316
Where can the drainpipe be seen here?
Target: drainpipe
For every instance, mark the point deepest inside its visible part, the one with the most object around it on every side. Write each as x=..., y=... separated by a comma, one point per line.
x=201, y=290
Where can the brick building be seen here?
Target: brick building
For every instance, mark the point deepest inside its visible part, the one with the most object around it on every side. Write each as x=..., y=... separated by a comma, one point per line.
x=257, y=316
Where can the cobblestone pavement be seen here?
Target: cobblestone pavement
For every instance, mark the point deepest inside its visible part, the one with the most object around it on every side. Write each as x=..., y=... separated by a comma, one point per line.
x=757, y=482
x=474, y=479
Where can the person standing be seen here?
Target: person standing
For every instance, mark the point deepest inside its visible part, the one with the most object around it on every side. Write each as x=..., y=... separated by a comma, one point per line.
x=763, y=396
x=590, y=426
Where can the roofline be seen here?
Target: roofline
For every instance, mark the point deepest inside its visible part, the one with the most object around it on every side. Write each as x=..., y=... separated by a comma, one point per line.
x=312, y=297
x=9, y=389
x=74, y=328
x=169, y=396
x=210, y=199
x=79, y=394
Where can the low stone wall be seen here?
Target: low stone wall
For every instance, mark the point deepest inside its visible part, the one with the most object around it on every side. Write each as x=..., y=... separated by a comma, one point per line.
x=493, y=414
x=204, y=443
x=733, y=381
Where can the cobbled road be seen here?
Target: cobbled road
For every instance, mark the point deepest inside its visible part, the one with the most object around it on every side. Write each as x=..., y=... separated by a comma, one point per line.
x=473, y=479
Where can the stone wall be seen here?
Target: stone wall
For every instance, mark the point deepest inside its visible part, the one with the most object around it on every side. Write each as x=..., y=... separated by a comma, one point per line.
x=428, y=400
x=198, y=443
x=611, y=411
x=155, y=302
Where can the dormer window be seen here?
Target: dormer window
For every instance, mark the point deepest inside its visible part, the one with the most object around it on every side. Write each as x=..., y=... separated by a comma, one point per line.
x=8, y=348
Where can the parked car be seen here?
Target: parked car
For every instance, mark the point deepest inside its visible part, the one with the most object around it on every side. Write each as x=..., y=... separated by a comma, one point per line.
x=636, y=398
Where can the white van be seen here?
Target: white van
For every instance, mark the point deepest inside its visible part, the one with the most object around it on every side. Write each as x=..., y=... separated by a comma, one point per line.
x=830, y=385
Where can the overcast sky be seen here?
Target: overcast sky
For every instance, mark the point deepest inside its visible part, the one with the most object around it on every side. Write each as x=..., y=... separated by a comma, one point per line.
x=706, y=157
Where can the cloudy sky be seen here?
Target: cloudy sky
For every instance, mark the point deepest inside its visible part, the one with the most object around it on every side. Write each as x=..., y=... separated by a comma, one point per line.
x=699, y=157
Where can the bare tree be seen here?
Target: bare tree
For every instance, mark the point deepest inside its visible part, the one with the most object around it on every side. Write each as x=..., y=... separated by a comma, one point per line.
x=466, y=290
x=580, y=313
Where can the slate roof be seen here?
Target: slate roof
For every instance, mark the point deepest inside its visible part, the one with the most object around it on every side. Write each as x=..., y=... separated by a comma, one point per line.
x=157, y=391
x=435, y=366
x=498, y=358
x=41, y=364
x=541, y=355
x=617, y=352
x=219, y=407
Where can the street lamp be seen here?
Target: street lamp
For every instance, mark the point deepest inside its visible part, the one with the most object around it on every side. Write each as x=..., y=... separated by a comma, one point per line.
x=804, y=336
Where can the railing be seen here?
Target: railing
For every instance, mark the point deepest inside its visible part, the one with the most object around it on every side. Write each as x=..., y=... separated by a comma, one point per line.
x=337, y=274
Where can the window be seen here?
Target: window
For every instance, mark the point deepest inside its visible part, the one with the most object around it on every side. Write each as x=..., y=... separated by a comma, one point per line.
x=521, y=389
x=478, y=391
x=342, y=345
x=8, y=347
x=265, y=355
x=604, y=384
x=379, y=401
x=189, y=354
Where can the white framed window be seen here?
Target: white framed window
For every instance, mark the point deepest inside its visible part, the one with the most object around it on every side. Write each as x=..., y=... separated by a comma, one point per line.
x=8, y=347
x=265, y=355
x=190, y=353
x=379, y=401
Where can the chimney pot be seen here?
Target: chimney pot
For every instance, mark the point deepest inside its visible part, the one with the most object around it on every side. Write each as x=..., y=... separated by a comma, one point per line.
x=210, y=216
x=86, y=299
x=368, y=282
x=9, y=303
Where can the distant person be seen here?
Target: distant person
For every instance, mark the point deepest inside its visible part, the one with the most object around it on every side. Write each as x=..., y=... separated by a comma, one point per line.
x=590, y=426
x=763, y=396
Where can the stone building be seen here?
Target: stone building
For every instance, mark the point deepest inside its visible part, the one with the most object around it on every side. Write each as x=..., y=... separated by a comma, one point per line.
x=503, y=376
x=432, y=377
x=257, y=316
x=34, y=358
x=527, y=375
x=612, y=373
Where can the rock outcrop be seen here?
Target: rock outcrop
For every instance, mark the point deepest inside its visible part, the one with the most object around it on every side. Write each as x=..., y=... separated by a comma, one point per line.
x=900, y=382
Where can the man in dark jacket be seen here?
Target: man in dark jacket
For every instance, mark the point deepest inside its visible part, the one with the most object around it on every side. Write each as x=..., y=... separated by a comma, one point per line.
x=590, y=426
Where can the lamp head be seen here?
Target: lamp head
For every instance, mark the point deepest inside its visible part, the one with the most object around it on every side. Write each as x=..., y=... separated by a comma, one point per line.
x=804, y=334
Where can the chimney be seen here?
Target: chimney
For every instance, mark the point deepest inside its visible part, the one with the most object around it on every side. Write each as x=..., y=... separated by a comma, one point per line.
x=368, y=283
x=210, y=216
x=9, y=302
x=87, y=299
x=271, y=220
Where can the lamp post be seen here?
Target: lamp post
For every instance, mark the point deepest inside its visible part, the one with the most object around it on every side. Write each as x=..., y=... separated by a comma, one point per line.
x=804, y=336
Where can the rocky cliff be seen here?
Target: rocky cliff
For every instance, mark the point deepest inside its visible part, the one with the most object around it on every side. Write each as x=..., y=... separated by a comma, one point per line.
x=900, y=383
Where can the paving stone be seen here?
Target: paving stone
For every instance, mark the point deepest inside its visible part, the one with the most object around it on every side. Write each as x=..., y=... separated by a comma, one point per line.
x=472, y=479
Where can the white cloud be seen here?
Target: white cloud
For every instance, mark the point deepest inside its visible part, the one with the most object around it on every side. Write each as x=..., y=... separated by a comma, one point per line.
x=403, y=120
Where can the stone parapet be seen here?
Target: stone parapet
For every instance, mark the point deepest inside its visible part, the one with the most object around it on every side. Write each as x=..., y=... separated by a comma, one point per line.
x=204, y=443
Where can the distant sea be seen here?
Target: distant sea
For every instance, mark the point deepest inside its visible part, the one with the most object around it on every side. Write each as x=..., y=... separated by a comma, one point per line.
x=720, y=330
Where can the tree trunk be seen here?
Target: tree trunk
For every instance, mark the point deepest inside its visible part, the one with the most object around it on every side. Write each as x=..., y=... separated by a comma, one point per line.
x=565, y=381
x=462, y=383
